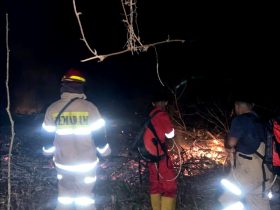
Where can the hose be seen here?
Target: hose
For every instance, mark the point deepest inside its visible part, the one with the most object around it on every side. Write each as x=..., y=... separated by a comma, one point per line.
x=180, y=162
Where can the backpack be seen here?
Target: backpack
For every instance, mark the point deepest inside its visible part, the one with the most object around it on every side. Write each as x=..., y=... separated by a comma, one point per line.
x=150, y=151
x=272, y=149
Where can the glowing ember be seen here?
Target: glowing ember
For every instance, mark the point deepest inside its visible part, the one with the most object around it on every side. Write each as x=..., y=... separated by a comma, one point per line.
x=216, y=141
x=198, y=155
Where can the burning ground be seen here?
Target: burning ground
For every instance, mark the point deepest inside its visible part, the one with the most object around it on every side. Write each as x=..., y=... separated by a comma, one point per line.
x=34, y=185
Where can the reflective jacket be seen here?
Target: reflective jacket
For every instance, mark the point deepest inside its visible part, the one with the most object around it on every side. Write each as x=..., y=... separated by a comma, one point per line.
x=73, y=132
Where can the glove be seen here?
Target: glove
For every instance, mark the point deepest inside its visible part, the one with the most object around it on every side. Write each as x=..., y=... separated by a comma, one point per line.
x=105, y=151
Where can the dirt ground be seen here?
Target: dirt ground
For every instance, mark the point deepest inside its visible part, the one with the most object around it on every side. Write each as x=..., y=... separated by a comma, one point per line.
x=34, y=183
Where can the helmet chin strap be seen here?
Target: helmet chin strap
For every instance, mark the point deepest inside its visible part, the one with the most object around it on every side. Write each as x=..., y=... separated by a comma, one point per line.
x=72, y=87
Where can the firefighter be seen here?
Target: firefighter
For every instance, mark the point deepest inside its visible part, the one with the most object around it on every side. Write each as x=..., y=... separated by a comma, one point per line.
x=79, y=136
x=162, y=179
x=247, y=185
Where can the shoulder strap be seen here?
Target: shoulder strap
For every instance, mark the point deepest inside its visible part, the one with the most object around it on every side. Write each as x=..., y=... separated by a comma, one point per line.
x=150, y=124
x=143, y=128
x=152, y=128
x=155, y=113
x=158, y=141
x=62, y=110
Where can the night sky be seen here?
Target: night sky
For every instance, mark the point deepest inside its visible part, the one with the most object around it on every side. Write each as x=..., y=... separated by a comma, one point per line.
x=225, y=45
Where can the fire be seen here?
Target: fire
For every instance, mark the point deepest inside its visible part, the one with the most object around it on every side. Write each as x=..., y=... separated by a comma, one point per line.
x=198, y=155
x=215, y=141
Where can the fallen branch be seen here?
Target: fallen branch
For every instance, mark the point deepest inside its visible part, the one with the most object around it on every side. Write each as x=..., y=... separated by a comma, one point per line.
x=211, y=135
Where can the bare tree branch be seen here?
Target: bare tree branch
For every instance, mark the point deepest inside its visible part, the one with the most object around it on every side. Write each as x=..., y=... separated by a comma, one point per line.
x=216, y=115
x=176, y=121
x=211, y=135
x=142, y=48
x=158, y=68
x=207, y=118
x=217, y=118
x=179, y=112
x=224, y=115
x=9, y=114
x=182, y=92
x=133, y=40
x=93, y=51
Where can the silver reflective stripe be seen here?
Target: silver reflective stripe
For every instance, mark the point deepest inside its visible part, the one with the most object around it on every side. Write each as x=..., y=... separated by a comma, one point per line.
x=80, y=201
x=270, y=195
x=236, y=206
x=98, y=124
x=49, y=128
x=231, y=187
x=171, y=134
x=90, y=179
x=65, y=200
x=59, y=176
x=79, y=168
x=84, y=201
x=103, y=150
x=49, y=150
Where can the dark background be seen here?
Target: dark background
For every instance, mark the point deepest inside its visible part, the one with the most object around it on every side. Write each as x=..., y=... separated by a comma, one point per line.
x=229, y=49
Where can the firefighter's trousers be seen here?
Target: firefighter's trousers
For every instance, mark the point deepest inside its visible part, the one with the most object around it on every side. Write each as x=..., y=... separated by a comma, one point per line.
x=162, y=178
x=75, y=190
x=248, y=176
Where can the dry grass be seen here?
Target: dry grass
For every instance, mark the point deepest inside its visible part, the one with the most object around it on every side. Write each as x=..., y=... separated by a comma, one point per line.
x=34, y=179
x=34, y=184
